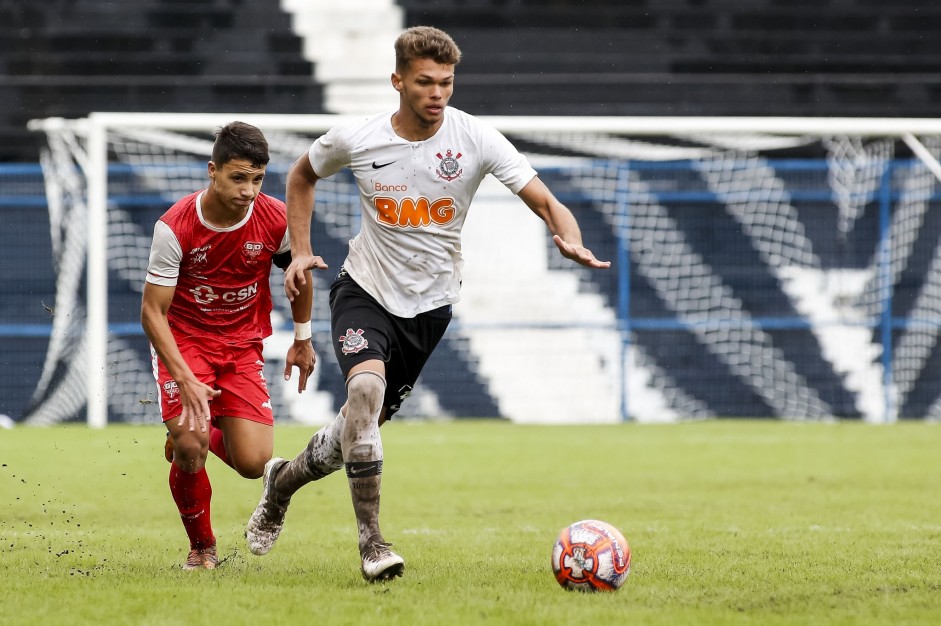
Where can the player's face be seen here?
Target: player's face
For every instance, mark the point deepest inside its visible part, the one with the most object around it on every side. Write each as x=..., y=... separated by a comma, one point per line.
x=236, y=183
x=425, y=88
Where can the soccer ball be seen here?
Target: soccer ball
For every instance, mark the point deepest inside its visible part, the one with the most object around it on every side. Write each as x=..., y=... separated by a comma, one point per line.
x=591, y=556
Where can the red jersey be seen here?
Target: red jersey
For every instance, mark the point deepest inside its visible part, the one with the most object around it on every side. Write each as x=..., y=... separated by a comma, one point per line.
x=221, y=274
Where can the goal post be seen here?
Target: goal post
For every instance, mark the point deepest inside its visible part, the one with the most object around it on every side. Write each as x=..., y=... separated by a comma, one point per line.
x=654, y=194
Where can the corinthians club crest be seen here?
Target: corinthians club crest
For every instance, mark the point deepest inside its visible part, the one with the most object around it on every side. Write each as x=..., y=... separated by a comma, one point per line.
x=353, y=341
x=449, y=168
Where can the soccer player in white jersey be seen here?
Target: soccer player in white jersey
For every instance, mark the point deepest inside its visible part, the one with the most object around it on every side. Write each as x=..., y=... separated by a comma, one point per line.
x=417, y=169
x=206, y=308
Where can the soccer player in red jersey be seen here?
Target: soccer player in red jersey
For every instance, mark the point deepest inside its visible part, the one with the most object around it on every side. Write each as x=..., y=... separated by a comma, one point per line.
x=206, y=309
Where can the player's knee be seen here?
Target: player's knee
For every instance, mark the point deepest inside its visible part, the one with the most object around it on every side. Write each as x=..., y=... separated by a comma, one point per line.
x=189, y=453
x=365, y=391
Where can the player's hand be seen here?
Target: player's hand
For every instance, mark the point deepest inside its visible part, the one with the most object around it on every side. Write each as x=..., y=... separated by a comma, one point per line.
x=195, y=397
x=294, y=274
x=579, y=254
x=301, y=355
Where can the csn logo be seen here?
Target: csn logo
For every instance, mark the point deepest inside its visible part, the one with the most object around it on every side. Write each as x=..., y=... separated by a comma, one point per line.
x=204, y=294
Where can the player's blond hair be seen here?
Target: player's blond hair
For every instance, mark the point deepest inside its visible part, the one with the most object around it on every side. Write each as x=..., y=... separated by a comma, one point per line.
x=425, y=42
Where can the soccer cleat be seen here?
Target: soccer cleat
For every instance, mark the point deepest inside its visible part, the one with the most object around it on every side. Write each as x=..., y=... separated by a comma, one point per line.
x=381, y=563
x=201, y=558
x=266, y=522
x=168, y=449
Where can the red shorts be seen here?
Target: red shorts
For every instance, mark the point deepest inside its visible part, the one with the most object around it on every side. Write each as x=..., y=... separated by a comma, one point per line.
x=236, y=370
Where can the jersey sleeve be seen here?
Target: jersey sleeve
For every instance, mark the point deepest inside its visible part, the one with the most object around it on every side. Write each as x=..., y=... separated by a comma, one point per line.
x=505, y=162
x=166, y=254
x=285, y=243
x=331, y=152
x=282, y=257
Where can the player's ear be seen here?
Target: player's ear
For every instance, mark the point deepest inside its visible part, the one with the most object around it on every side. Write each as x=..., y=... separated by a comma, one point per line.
x=396, y=82
x=211, y=167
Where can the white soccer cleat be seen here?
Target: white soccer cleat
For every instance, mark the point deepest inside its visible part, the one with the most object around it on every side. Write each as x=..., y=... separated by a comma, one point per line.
x=266, y=522
x=381, y=563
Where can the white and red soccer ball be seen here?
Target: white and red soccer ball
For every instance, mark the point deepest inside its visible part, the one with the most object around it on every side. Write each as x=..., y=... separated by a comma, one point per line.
x=591, y=555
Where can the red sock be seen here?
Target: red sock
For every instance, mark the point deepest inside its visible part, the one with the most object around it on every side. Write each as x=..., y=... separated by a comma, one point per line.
x=192, y=493
x=217, y=444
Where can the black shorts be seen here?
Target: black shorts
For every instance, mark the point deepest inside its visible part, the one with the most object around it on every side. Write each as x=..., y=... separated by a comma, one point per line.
x=363, y=330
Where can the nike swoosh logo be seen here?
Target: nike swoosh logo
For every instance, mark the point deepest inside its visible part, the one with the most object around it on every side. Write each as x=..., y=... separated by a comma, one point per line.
x=364, y=469
x=379, y=166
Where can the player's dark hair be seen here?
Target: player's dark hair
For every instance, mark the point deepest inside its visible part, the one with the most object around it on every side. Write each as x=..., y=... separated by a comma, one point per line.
x=425, y=42
x=239, y=140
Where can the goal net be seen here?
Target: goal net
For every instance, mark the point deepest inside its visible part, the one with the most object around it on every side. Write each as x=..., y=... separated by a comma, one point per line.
x=763, y=267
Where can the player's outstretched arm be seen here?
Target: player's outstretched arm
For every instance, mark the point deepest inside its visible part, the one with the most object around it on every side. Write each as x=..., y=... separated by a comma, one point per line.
x=194, y=395
x=561, y=223
x=299, y=198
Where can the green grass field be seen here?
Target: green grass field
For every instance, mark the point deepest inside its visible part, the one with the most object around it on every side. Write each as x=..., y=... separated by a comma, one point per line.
x=729, y=522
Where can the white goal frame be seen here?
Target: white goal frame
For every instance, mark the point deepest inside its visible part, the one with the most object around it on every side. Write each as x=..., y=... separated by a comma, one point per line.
x=94, y=129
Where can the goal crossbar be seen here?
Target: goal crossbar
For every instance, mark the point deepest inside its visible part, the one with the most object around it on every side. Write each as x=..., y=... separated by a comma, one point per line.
x=632, y=125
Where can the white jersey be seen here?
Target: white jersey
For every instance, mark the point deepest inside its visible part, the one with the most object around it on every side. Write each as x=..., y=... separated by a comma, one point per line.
x=414, y=196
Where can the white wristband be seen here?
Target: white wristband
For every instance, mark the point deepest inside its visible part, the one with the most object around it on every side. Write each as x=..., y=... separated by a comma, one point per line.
x=301, y=331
